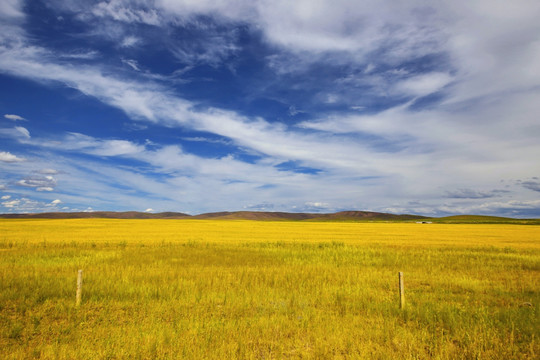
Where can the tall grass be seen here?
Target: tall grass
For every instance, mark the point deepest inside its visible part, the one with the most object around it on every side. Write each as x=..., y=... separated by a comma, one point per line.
x=192, y=289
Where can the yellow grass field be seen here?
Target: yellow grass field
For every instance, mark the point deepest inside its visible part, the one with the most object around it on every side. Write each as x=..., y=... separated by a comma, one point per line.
x=202, y=289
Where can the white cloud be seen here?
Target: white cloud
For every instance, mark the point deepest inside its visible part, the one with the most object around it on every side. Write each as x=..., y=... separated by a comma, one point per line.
x=121, y=11
x=510, y=208
x=44, y=188
x=11, y=204
x=130, y=41
x=27, y=205
x=472, y=194
x=11, y=9
x=14, y=117
x=132, y=64
x=203, y=139
x=6, y=197
x=494, y=207
x=332, y=153
x=153, y=103
x=207, y=44
x=293, y=111
x=488, y=58
x=149, y=210
x=321, y=26
x=25, y=133
x=424, y=84
x=48, y=171
x=9, y=157
x=87, y=55
x=116, y=148
x=89, y=145
x=232, y=10
x=317, y=206
x=17, y=132
x=56, y=202
x=492, y=59
x=135, y=126
x=234, y=179
x=184, y=182
x=41, y=183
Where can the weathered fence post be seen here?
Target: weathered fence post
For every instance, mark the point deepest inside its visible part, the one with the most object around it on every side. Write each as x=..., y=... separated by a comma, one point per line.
x=401, y=291
x=79, y=288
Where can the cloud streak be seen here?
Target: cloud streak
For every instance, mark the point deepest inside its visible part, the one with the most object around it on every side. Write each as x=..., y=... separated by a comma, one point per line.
x=14, y=117
x=531, y=185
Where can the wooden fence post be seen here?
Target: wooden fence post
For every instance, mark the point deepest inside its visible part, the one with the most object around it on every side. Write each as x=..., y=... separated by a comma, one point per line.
x=79, y=288
x=401, y=291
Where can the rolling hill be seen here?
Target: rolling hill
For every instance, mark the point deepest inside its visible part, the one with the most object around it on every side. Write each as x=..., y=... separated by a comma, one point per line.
x=98, y=215
x=342, y=216
x=226, y=215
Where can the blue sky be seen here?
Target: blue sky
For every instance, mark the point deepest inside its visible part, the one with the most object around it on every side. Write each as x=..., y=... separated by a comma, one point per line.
x=312, y=106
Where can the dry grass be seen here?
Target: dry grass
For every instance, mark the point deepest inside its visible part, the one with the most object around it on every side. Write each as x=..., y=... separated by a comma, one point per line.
x=195, y=289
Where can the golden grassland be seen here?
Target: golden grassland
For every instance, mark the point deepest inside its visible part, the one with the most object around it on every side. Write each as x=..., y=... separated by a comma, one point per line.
x=201, y=289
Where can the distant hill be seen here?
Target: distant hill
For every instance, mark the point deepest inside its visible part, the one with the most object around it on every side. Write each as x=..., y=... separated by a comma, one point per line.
x=342, y=216
x=98, y=215
x=256, y=215
x=367, y=215
x=226, y=215
x=482, y=219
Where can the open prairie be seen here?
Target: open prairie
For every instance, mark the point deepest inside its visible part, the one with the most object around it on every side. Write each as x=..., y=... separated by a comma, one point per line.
x=203, y=289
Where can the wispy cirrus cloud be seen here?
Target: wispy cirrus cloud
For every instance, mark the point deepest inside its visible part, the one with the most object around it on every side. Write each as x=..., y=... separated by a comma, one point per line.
x=23, y=131
x=15, y=132
x=422, y=85
x=11, y=9
x=181, y=176
x=130, y=41
x=132, y=64
x=90, y=145
x=152, y=102
x=122, y=11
